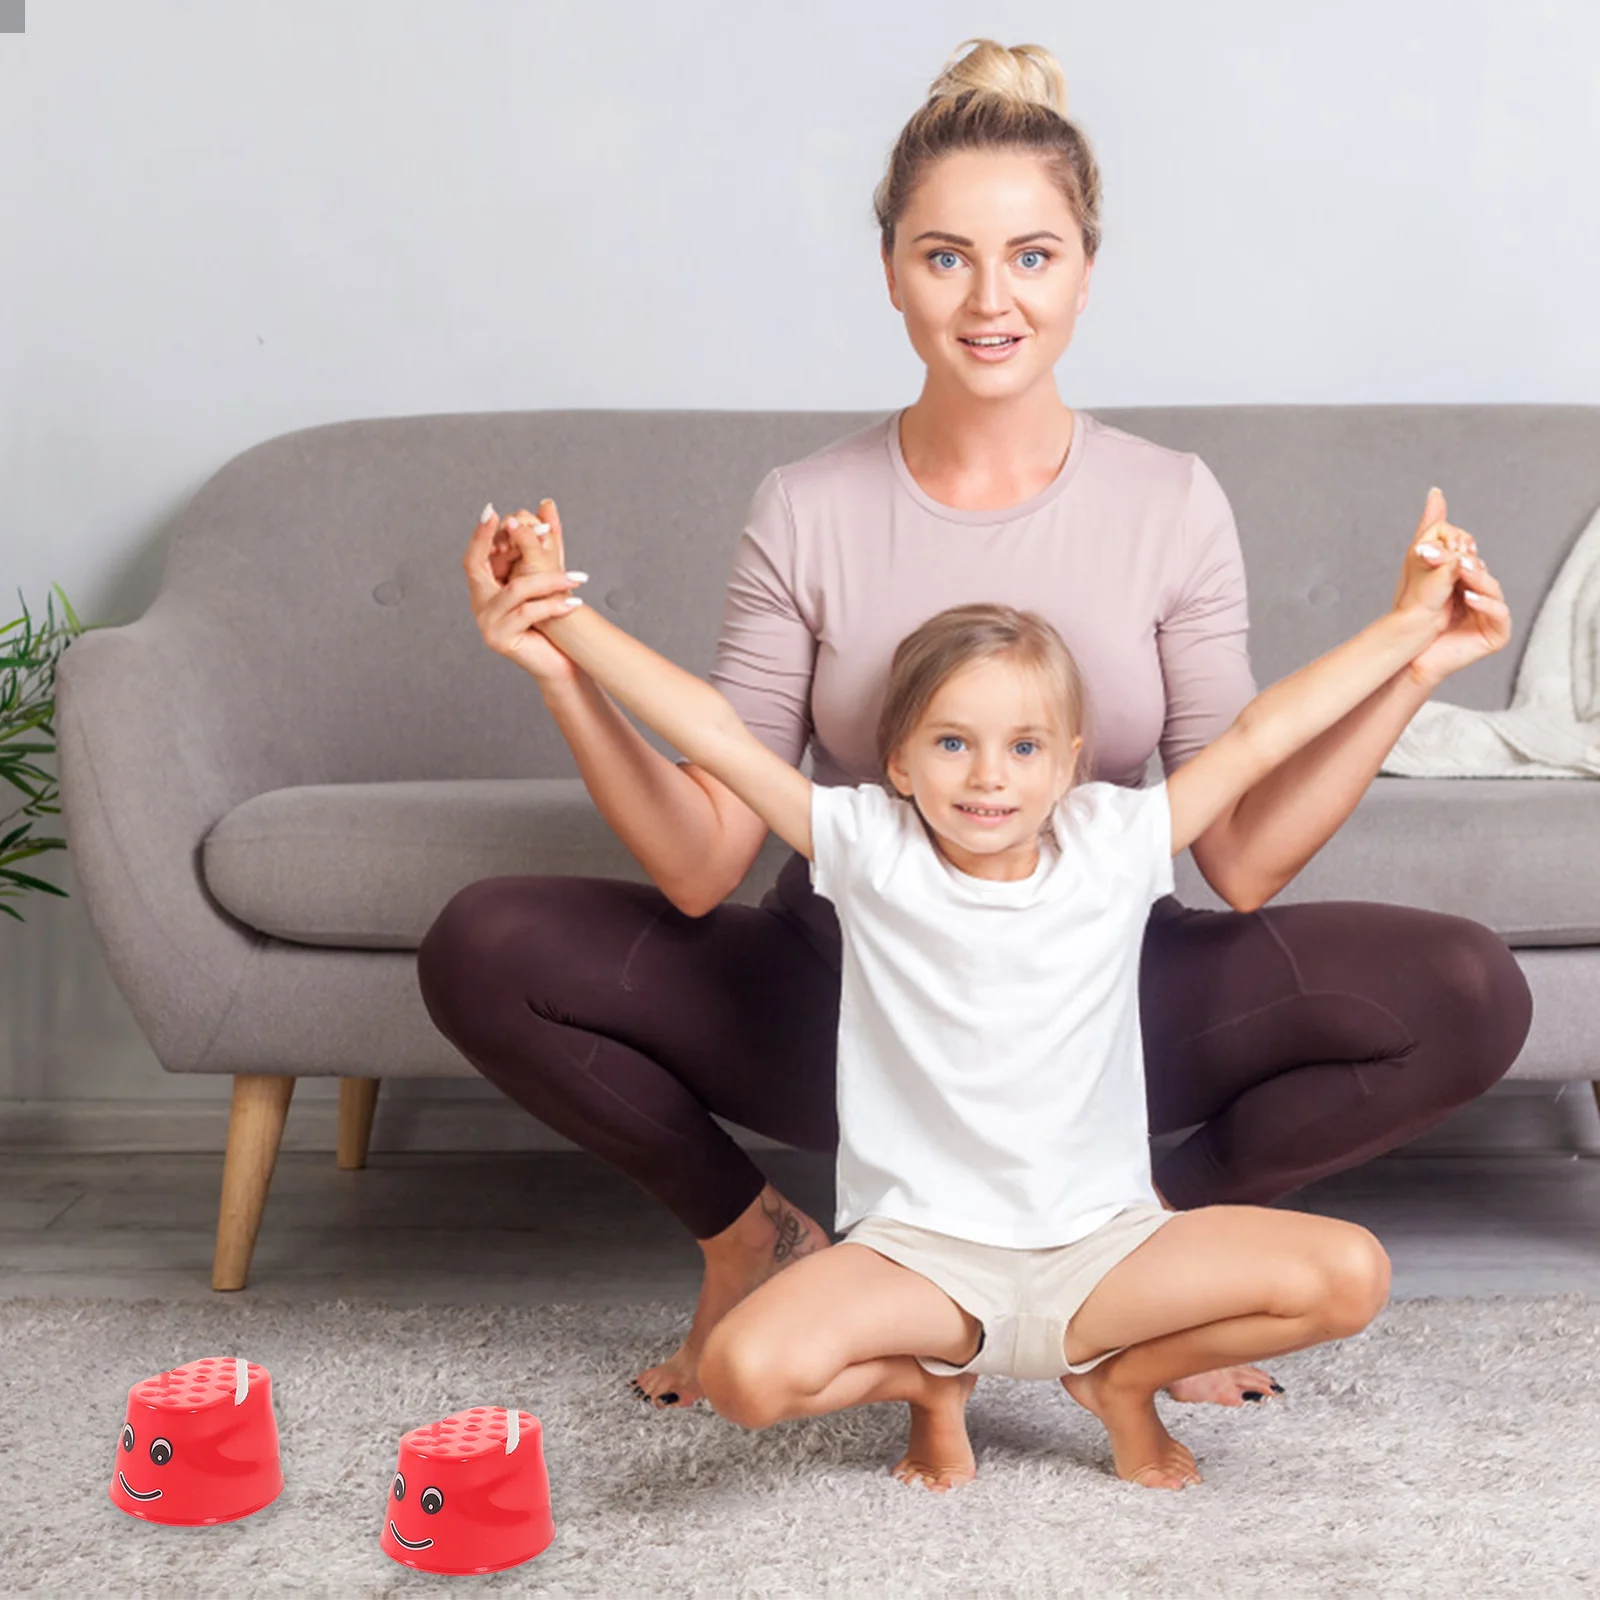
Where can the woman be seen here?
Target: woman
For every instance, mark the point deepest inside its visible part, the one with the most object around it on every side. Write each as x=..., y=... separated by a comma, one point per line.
x=1302, y=1039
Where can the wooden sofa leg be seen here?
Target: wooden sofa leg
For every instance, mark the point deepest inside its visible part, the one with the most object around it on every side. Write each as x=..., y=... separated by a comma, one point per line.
x=255, y=1127
x=357, y=1097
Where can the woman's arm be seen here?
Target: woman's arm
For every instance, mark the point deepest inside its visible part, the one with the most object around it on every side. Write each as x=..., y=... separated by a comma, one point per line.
x=694, y=835
x=680, y=823
x=654, y=805
x=1284, y=718
x=691, y=714
x=685, y=710
x=1261, y=842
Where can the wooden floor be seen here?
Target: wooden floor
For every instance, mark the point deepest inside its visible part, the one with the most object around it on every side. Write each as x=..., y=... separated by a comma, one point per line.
x=556, y=1226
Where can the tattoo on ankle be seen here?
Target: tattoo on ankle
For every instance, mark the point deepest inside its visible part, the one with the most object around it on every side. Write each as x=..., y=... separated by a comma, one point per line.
x=791, y=1233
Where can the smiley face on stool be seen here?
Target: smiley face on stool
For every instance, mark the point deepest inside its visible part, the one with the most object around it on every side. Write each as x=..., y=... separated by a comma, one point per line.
x=430, y=1502
x=199, y=1444
x=470, y=1494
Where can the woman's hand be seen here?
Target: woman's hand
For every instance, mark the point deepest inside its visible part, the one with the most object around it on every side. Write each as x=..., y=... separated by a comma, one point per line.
x=1443, y=573
x=512, y=595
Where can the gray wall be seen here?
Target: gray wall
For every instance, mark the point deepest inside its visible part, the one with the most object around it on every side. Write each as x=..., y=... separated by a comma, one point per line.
x=225, y=222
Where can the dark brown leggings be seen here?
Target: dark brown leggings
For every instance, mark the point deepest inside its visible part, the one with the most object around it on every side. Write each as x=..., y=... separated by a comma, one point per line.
x=1302, y=1039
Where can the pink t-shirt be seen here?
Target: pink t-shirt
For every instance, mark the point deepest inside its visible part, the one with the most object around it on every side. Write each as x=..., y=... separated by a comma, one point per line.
x=1131, y=552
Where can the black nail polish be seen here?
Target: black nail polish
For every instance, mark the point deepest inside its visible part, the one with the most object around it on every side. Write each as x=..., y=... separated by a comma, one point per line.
x=668, y=1399
x=1251, y=1394
x=1277, y=1388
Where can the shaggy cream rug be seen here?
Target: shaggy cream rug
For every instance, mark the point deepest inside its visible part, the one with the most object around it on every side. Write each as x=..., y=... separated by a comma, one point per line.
x=1451, y=1449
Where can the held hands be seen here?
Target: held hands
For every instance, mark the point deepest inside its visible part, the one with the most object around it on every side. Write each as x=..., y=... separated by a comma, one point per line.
x=517, y=576
x=517, y=581
x=1445, y=576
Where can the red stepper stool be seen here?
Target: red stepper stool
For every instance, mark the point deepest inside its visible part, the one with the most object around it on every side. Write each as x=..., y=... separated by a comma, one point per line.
x=471, y=1494
x=199, y=1445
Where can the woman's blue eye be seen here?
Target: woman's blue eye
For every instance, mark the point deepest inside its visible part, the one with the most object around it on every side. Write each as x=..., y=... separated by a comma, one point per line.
x=949, y=257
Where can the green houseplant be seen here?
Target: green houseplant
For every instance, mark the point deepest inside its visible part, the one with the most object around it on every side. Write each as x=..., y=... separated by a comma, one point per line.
x=27, y=711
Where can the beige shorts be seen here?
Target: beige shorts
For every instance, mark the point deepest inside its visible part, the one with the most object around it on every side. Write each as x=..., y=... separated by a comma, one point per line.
x=1023, y=1298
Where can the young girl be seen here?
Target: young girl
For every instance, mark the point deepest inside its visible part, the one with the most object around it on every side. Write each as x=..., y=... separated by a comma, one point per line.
x=994, y=1185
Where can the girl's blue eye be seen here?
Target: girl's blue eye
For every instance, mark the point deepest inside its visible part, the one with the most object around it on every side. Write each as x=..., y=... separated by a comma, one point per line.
x=1044, y=255
x=946, y=738
x=936, y=254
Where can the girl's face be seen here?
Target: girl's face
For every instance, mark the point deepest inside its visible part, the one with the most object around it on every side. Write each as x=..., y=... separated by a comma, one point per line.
x=988, y=245
x=988, y=740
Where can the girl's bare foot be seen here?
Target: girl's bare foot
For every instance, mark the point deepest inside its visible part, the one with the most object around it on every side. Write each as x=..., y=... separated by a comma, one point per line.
x=769, y=1235
x=939, y=1453
x=1227, y=1386
x=1143, y=1450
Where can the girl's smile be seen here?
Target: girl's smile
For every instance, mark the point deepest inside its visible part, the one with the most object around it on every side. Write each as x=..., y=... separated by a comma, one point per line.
x=986, y=817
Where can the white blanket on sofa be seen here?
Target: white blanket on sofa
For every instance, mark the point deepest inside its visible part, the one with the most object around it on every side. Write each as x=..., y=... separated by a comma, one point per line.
x=1552, y=728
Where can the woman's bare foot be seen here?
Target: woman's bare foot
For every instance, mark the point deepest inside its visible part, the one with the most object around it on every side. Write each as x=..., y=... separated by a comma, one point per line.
x=1144, y=1452
x=939, y=1453
x=765, y=1238
x=1227, y=1386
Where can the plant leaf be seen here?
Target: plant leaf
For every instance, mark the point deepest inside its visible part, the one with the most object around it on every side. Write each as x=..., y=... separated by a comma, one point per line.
x=28, y=882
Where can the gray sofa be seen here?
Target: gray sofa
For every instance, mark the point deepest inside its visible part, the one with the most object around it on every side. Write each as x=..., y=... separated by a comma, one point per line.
x=274, y=779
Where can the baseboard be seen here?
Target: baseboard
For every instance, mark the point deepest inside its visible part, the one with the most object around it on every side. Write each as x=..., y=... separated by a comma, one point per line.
x=1518, y=1117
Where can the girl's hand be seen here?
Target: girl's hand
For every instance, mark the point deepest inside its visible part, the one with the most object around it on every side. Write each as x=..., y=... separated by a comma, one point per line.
x=538, y=538
x=511, y=597
x=1443, y=573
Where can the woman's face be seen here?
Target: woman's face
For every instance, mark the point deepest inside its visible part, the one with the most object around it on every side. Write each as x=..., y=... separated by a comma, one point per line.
x=988, y=245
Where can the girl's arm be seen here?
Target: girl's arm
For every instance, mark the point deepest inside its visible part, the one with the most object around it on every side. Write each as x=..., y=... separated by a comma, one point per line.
x=689, y=713
x=1295, y=710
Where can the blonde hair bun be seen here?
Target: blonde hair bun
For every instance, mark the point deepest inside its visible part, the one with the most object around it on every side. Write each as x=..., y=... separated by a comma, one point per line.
x=1023, y=74
x=989, y=96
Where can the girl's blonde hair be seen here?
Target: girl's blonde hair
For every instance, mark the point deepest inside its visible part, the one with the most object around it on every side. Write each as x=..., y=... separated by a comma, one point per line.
x=995, y=98
x=980, y=631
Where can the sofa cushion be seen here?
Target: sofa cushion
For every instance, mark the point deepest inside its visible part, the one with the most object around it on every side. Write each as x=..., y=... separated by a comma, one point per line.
x=368, y=865
x=1521, y=856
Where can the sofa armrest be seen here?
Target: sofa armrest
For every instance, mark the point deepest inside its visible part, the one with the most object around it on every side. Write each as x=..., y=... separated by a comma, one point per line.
x=147, y=767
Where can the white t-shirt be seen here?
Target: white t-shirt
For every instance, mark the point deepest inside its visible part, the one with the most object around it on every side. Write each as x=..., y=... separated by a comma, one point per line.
x=990, y=1061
